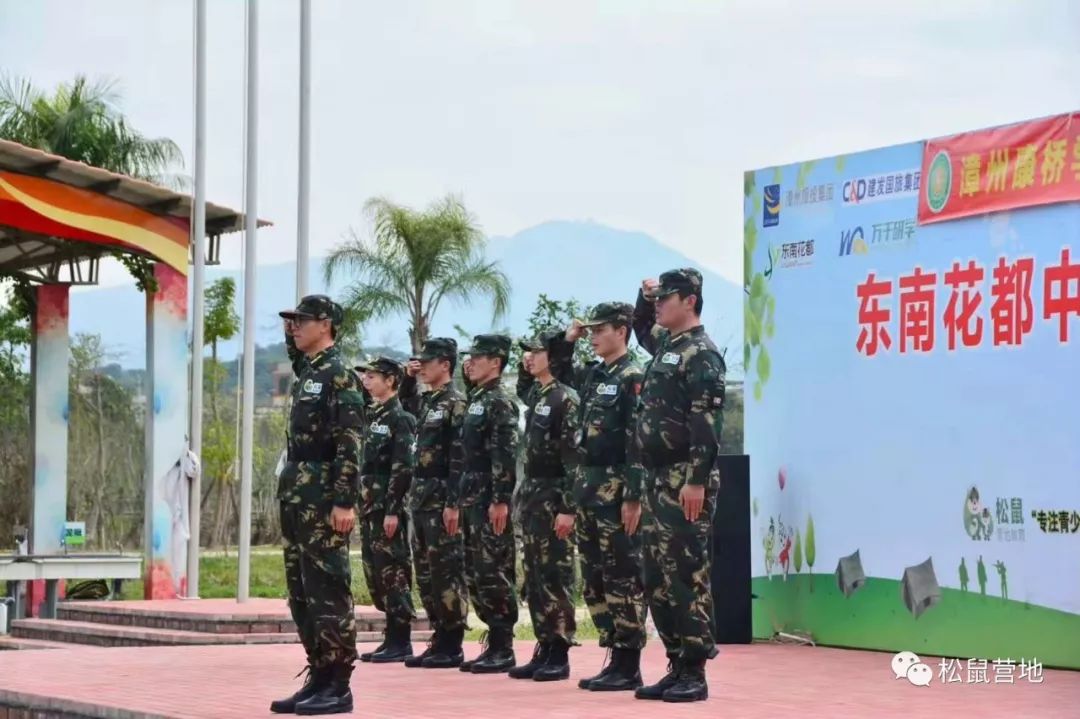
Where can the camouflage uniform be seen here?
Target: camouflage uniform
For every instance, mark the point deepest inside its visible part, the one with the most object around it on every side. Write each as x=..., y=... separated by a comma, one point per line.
x=321, y=472
x=439, y=557
x=385, y=477
x=545, y=491
x=489, y=437
x=678, y=433
x=610, y=474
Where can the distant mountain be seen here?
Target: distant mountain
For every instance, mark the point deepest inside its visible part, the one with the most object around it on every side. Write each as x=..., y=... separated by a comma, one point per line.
x=583, y=260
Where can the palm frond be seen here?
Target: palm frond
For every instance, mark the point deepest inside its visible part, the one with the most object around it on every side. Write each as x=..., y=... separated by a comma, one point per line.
x=471, y=278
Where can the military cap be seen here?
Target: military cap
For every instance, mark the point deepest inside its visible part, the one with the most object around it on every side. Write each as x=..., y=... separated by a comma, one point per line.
x=383, y=365
x=438, y=348
x=490, y=345
x=685, y=279
x=542, y=342
x=316, y=307
x=610, y=312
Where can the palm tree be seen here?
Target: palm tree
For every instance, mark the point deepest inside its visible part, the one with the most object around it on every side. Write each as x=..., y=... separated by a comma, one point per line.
x=414, y=261
x=81, y=121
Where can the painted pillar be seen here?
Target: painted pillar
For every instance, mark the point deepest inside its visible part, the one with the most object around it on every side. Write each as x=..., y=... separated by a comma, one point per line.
x=165, y=535
x=49, y=353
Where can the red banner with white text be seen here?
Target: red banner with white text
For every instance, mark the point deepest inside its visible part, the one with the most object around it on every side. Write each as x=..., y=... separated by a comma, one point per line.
x=973, y=173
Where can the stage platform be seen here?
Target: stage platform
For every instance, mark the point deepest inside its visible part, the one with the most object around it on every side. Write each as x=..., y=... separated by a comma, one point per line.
x=746, y=681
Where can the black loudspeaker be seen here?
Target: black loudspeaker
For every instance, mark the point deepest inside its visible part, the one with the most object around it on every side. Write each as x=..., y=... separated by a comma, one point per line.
x=731, y=552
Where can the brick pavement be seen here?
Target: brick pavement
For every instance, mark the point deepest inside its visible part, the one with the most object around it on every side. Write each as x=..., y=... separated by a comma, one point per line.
x=745, y=681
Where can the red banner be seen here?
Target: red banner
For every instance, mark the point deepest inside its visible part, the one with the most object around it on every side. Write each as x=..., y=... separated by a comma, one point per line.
x=1031, y=163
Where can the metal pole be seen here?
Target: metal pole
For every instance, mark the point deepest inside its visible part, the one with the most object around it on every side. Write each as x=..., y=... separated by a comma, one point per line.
x=304, y=186
x=198, y=237
x=247, y=427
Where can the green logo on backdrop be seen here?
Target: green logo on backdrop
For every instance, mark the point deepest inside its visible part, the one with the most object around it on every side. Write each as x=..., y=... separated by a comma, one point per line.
x=940, y=183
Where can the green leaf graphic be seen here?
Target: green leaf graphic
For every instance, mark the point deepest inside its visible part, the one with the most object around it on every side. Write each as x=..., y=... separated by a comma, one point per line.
x=753, y=326
x=763, y=365
x=758, y=292
x=757, y=391
x=778, y=176
x=748, y=183
x=750, y=233
x=840, y=160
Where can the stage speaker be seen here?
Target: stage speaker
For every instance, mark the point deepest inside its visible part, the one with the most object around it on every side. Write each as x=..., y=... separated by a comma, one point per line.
x=731, y=552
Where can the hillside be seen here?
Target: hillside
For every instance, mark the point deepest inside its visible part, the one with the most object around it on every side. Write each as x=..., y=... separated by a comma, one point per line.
x=587, y=261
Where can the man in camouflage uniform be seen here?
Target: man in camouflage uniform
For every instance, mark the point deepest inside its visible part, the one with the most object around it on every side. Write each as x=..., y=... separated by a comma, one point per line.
x=544, y=504
x=385, y=477
x=438, y=551
x=489, y=437
x=317, y=491
x=608, y=495
x=680, y=414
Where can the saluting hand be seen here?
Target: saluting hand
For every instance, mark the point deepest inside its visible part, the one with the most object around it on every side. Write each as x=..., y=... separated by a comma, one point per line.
x=412, y=368
x=692, y=499
x=575, y=331
x=648, y=289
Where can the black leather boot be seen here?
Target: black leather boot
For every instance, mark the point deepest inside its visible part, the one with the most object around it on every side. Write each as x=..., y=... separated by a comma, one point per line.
x=557, y=666
x=500, y=655
x=625, y=674
x=466, y=666
x=447, y=652
x=656, y=691
x=333, y=697
x=398, y=645
x=312, y=683
x=539, y=658
x=609, y=666
x=366, y=656
x=417, y=660
x=691, y=686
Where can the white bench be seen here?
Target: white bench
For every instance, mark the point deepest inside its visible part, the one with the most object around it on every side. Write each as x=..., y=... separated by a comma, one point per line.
x=54, y=567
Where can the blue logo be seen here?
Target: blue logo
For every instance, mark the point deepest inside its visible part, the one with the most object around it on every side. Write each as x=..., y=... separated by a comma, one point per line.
x=852, y=241
x=771, y=212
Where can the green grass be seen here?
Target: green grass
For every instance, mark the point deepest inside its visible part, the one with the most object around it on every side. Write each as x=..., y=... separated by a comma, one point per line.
x=961, y=624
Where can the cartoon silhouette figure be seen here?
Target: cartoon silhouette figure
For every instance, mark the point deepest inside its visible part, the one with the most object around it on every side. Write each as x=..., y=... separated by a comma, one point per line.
x=769, y=541
x=1000, y=566
x=963, y=575
x=785, y=556
x=981, y=574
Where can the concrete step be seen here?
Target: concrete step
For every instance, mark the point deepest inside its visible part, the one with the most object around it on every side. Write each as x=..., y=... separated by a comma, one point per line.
x=9, y=642
x=110, y=635
x=148, y=616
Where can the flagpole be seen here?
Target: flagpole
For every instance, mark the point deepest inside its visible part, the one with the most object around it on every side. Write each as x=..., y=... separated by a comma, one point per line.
x=198, y=251
x=247, y=427
x=304, y=184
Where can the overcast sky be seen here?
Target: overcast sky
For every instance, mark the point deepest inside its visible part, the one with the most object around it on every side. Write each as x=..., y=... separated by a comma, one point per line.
x=640, y=115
